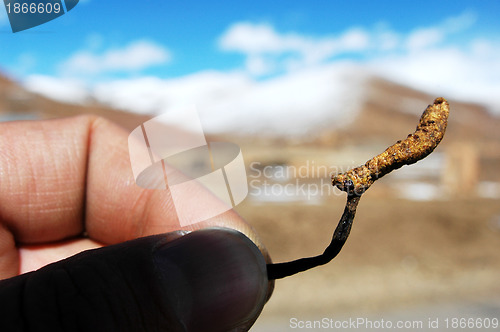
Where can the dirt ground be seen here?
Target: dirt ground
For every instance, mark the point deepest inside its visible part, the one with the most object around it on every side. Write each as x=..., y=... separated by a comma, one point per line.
x=400, y=254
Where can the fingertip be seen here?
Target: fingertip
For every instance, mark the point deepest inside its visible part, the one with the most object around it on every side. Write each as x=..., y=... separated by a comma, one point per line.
x=215, y=279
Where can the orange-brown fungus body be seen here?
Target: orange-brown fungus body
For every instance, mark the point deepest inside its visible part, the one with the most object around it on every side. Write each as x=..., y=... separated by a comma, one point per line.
x=416, y=146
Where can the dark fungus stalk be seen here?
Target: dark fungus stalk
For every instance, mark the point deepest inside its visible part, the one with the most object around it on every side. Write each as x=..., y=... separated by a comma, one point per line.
x=416, y=146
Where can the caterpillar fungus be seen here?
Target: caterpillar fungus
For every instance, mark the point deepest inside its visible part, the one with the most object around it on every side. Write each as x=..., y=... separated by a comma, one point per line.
x=355, y=182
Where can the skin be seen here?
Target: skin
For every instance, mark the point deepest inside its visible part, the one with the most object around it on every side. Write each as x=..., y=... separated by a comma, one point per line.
x=66, y=185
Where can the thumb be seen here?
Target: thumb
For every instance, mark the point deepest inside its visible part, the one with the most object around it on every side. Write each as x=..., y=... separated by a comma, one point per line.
x=208, y=280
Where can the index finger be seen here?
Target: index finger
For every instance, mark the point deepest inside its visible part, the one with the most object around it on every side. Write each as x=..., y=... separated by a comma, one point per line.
x=59, y=178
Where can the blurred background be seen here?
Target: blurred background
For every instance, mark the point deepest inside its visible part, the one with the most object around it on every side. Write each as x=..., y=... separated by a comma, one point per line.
x=307, y=89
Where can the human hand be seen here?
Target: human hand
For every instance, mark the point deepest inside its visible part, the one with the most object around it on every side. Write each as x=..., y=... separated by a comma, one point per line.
x=65, y=186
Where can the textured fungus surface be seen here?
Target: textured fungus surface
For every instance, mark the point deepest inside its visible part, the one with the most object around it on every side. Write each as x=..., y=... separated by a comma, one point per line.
x=416, y=146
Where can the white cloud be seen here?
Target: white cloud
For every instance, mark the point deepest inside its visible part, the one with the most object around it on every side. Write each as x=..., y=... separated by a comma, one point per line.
x=134, y=57
x=65, y=90
x=482, y=48
x=259, y=65
x=459, y=23
x=424, y=38
x=425, y=58
x=296, y=103
x=268, y=51
x=154, y=95
x=472, y=74
x=387, y=40
x=353, y=40
x=254, y=38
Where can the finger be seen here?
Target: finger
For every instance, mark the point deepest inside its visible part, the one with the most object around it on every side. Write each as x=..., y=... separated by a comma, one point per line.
x=42, y=172
x=209, y=280
x=42, y=178
x=119, y=210
x=33, y=257
x=59, y=177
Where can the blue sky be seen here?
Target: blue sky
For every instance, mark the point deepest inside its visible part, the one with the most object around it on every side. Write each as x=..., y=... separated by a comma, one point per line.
x=190, y=30
x=183, y=46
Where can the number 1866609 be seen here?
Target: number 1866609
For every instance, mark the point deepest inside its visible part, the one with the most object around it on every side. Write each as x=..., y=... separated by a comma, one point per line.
x=33, y=8
x=471, y=323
